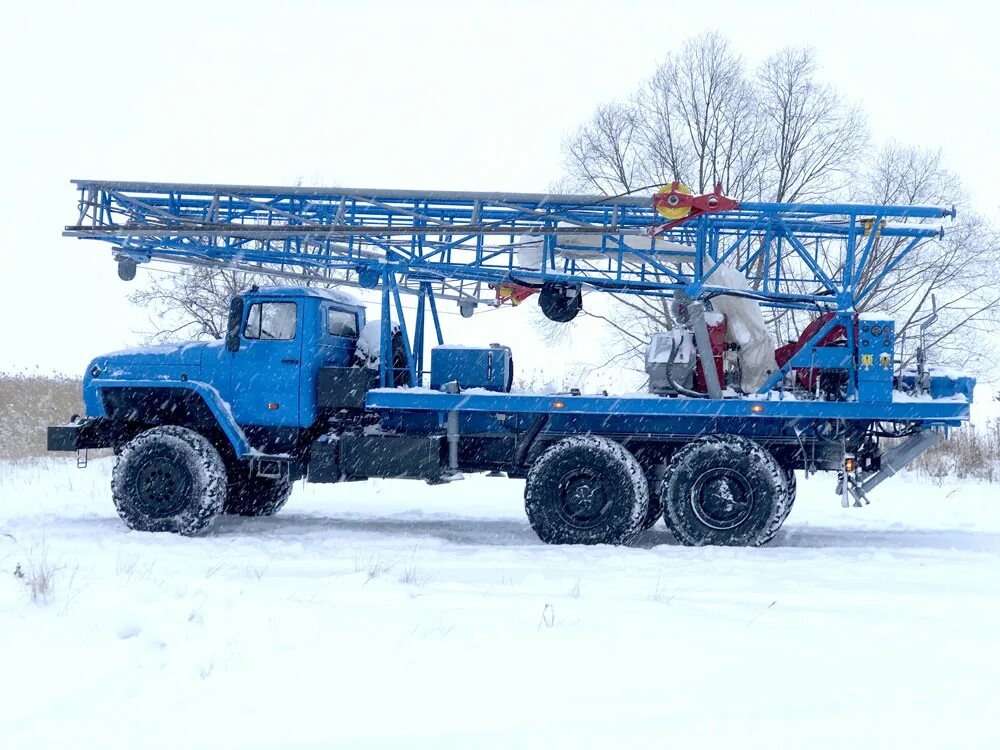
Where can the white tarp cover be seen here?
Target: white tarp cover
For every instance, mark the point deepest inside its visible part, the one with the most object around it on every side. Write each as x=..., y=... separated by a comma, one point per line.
x=746, y=327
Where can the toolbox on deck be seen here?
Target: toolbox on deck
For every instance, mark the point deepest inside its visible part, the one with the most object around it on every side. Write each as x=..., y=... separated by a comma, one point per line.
x=491, y=368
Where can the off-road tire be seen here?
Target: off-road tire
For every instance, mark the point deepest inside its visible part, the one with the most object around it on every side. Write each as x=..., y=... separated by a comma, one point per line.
x=724, y=490
x=654, y=512
x=586, y=490
x=791, y=486
x=256, y=496
x=169, y=479
x=655, y=467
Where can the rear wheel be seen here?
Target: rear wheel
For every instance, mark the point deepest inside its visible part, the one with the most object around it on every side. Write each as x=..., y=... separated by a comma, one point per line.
x=256, y=496
x=654, y=512
x=169, y=479
x=786, y=505
x=586, y=490
x=654, y=464
x=724, y=490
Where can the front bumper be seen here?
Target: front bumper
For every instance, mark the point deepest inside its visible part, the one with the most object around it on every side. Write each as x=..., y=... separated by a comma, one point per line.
x=85, y=434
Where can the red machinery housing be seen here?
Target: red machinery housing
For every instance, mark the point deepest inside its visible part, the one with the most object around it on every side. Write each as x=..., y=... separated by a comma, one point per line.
x=804, y=376
x=717, y=336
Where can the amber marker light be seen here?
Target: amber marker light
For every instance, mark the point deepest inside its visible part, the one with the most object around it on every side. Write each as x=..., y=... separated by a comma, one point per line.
x=757, y=408
x=558, y=404
x=850, y=464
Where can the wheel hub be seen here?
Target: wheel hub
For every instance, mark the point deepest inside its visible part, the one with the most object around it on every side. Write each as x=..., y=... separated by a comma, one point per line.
x=722, y=499
x=582, y=501
x=162, y=488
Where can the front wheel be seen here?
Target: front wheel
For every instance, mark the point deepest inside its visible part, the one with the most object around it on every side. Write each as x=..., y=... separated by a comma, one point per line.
x=169, y=479
x=586, y=490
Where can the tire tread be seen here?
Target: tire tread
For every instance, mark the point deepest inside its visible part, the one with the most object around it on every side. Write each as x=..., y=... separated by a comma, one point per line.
x=537, y=503
x=207, y=468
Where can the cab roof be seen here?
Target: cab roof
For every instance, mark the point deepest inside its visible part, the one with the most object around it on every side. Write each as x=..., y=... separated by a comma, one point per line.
x=331, y=295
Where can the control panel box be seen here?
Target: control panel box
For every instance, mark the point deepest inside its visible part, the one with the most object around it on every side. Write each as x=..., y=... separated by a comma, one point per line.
x=876, y=343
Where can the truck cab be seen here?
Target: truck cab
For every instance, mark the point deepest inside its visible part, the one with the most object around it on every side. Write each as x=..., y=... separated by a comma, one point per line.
x=279, y=339
x=262, y=379
x=230, y=422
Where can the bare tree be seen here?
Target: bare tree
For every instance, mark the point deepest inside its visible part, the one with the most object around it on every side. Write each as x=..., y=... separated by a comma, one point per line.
x=193, y=303
x=694, y=120
x=960, y=272
x=700, y=119
x=604, y=154
x=780, y=136
x=908, y=176
x=783, y=135
x=813, y=137
x=966, y=287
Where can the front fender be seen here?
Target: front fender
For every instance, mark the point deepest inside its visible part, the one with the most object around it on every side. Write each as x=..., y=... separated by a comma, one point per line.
x=209, y=395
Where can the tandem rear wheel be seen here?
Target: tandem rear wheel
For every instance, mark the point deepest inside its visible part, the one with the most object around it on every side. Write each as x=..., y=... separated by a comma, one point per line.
x=586, y=490
x=725, y=490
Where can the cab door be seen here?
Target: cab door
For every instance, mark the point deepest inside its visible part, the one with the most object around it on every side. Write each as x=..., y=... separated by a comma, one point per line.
x=264, y=379
x=340, y=333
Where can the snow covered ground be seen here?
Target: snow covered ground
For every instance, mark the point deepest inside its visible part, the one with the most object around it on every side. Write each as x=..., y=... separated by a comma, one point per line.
x=392, y=614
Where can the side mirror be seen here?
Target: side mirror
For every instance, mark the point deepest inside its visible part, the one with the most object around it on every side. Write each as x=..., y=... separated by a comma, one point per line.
x=235, y=321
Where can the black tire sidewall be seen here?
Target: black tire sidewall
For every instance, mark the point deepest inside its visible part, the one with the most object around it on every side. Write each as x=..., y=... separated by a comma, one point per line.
x=256, y=496
x=557, y=305
x=742, y=457
x=609, y=463
x=785, y=509
x=191, y=454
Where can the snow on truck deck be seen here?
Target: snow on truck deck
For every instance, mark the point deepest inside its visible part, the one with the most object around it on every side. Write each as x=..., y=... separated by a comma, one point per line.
x=393, y=614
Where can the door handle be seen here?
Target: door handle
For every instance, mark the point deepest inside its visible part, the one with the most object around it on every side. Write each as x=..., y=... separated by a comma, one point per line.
x=289, y=361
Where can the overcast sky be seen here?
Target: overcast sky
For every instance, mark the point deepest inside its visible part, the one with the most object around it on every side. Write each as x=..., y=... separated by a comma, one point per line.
x=459, y=95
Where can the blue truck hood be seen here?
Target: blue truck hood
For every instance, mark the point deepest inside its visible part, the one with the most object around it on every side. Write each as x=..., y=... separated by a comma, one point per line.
x=188, y=354
x=150, y=360
x=161, y=362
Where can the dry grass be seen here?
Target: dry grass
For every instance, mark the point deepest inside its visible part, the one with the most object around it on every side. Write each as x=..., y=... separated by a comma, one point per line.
x=28, y=404
x=411, y=575
x=660, y=593
x=374, y=566
x=40, y=578
x=969, y=453
x=38, y=574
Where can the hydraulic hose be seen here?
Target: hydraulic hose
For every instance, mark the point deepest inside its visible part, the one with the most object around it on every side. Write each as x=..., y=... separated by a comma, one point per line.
x=673, y=384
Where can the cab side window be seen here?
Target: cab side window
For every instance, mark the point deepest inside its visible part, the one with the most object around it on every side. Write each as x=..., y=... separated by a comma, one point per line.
x=272, y=321
x=340, y=323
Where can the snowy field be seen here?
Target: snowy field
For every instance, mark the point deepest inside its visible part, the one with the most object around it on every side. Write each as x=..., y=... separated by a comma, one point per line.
x=392, y=614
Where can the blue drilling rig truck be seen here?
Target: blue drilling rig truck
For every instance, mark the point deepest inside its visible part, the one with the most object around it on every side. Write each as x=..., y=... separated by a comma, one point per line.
x=306, y=385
